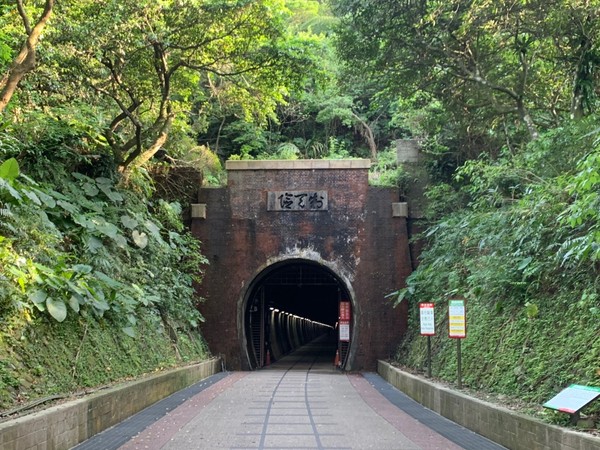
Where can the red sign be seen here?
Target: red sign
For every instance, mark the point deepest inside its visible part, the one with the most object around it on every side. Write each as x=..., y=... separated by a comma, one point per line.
x=427, y=319
x=344, y=311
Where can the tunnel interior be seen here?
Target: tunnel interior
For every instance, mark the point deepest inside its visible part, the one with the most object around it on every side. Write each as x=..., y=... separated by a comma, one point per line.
x=291, y=304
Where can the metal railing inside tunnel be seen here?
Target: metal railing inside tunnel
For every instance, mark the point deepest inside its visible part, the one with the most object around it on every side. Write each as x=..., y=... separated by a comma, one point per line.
x=285, y=332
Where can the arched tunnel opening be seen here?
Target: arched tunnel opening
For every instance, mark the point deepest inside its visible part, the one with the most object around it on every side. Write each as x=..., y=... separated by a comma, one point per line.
x=291, y=304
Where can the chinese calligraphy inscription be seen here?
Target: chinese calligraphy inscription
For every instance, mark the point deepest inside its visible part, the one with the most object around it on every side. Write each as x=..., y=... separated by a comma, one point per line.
x=297, y=201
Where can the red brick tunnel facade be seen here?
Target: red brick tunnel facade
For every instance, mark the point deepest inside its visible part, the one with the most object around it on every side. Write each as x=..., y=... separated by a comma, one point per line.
x=302, y=236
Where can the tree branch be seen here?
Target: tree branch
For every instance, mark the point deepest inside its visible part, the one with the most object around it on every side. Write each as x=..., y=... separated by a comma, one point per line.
x=367, y=134
x=26, y=59
x=24, y=18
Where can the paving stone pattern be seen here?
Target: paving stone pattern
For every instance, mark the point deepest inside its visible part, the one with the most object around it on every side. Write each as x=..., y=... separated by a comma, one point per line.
x=301, y=402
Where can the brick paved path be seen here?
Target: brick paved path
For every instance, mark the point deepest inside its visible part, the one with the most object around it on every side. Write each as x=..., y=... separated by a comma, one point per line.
x=302, y=402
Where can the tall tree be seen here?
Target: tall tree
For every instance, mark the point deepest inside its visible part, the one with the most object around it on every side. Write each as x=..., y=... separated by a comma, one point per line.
x=576, y=30
x=479, y=54
x=156, y=61
x=26, y=58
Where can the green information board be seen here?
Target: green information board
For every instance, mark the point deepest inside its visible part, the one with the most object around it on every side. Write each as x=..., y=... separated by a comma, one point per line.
x=573, y=398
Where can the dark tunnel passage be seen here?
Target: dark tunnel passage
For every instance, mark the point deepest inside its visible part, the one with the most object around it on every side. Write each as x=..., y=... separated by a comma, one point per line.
x=291, y=304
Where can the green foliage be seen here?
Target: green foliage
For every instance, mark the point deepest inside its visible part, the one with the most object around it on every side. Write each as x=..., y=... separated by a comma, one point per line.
x=514, y=224
x=386, y=171
x=9, y=170
x=473, y=77
x=524, y=255
x=287, y=150
x=311, y=15
x=220, y=58
x=421, y=116
x=41, y=358
x=337, y=108
x=8, y=381
x=5, y=51
x=250, y=139
x=84, y=263
x=582, y=213
x=338, y=149
x=511, y=354
x=93, y=248
x=294, y=121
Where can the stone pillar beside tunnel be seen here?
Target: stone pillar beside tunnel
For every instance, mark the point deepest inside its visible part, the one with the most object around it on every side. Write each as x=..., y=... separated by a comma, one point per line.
x=412, y=160
x=357, y=237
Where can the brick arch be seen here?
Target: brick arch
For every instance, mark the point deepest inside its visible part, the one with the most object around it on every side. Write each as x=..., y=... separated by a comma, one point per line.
x=313, y=261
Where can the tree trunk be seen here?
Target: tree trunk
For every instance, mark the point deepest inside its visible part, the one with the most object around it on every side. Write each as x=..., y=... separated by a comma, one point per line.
x=367, y=133
x=137, y=160
x=25, y=60
x=527, y=120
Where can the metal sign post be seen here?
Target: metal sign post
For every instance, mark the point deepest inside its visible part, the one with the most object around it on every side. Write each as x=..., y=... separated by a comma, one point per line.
x=427, y=320
x=457, y=329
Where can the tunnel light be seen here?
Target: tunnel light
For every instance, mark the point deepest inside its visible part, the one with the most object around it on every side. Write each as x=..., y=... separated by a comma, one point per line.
x=306, y=319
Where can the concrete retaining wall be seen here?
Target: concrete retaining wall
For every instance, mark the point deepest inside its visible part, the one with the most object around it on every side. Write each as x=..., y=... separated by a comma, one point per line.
x=503, y=426
x=64, y=426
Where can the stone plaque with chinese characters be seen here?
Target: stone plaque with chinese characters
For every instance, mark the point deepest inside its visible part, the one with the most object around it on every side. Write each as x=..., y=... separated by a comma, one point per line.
x=297, y=201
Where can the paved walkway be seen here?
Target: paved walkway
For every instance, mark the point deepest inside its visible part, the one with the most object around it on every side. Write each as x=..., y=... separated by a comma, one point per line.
x=302, y=402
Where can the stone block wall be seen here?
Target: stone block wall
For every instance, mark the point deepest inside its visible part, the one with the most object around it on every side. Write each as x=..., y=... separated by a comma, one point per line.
x=407, y=151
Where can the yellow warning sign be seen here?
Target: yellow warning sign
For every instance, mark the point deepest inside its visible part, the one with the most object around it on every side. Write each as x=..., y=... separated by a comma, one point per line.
x=457, y=319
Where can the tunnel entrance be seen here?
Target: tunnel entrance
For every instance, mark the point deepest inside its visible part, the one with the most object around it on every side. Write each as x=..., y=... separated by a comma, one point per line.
x=290, y=304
